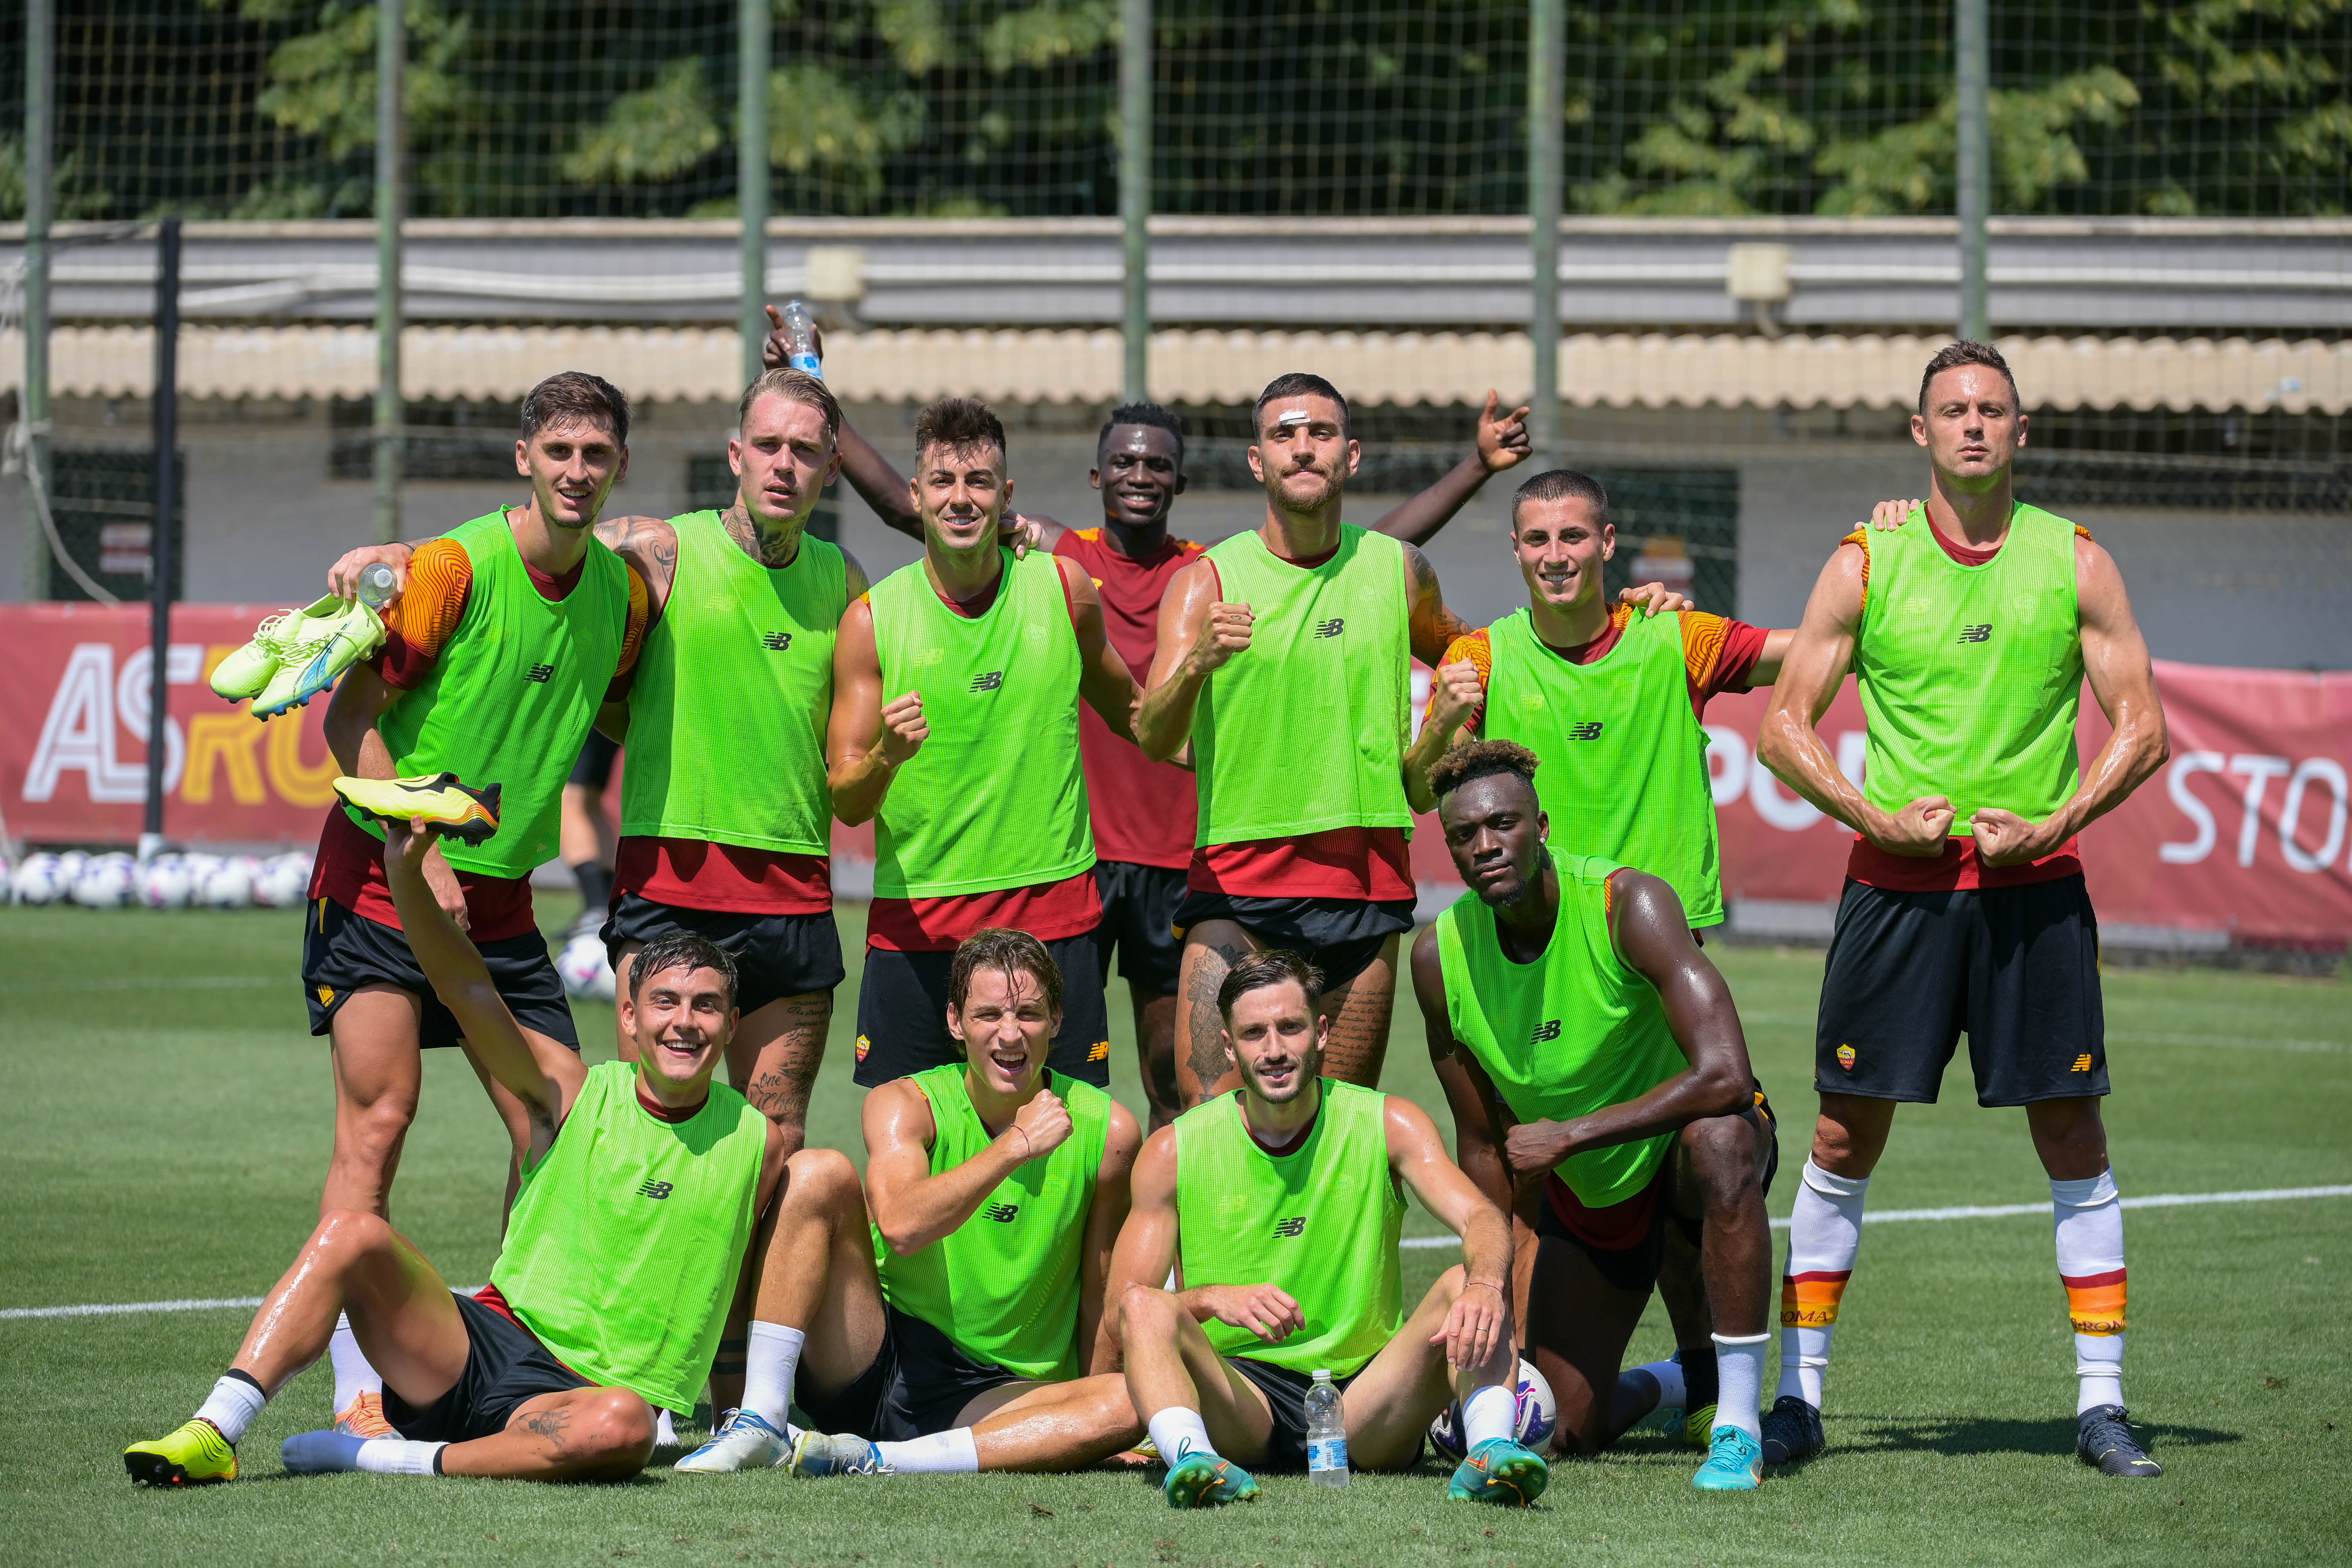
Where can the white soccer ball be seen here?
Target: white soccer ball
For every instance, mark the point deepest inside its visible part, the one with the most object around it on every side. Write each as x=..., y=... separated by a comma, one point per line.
x=227, y=885
x=1535, y=1417
x=282, y=881
x=105, y=882
x=163, y=883
x=70, y=866
x=587, y=971
x=38, y=879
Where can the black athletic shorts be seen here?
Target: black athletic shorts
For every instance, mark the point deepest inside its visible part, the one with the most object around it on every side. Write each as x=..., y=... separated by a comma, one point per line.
x=775, y=955
x=504, y=1366
x=1342, y=936
x=918, y=1383
x=342, y=951
x=1635, y=1268
x=1286, y=1398
x=1139, y=905
x=594, y=767
x=2016, y=968
x=902, y=1014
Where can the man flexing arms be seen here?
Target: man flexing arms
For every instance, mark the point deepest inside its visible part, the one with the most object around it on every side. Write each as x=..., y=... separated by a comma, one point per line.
x=957, y=681
x=1585, y=1044
x=997, y=1186
x=1282, y=1204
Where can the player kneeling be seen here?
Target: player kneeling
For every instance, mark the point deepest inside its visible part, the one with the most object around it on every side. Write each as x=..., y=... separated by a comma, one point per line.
x=622, y=1251
x=1283, y=1201
x=998, y=1186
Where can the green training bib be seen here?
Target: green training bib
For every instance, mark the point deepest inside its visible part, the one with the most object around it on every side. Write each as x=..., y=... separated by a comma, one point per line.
x=513, y=695
x=1568, y=1034
x=997, y=797
x=1003, y=1285
x=734, y=689
x=1321, y=1222
x=627, y=1238
x=1624, y=760
x=1305, y=730
x=1972, y=675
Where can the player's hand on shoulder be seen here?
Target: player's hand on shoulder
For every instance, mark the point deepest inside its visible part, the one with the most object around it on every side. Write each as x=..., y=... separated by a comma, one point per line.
x=1920, y=829
x=1227, y=634
x=1503, y=439
x=903, y=729
x=1045, y=1124
x=343, y=577
x=1266, y=1311
x=1656, y=599
x=1025, y=532
x=1889, y=515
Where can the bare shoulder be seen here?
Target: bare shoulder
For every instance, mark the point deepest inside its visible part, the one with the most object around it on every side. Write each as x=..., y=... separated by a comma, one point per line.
x=1410, y=1128
x=854, y=582
x=1155, y=1166
x=1123, y=1139
x=895, y=1112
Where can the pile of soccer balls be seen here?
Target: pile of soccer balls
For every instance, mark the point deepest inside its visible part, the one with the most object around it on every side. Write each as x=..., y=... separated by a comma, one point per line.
x=168, y=881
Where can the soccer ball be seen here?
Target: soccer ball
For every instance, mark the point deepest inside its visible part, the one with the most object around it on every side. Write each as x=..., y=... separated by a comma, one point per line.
x=283, y=880
x=1532, y=1428
x=68, y=872
x=163, y=883
x=104, y=882
x=39, y=879
x=587, y=971
x=228, y=884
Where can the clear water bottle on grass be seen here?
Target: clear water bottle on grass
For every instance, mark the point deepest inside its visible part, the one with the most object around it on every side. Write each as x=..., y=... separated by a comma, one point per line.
x=1327, y=1432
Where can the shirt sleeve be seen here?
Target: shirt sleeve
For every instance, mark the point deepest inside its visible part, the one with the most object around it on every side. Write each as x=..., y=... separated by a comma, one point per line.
x=1719, y=653
x=633, y=637
x=419, y=624
x=1475, y=648
x=1860, y=539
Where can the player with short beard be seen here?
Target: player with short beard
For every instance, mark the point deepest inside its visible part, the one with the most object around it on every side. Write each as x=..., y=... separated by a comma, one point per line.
x=1279, y=1205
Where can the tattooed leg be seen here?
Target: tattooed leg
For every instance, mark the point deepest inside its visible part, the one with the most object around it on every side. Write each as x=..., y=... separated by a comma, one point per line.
x=1359, y=1012
x=582, y=1434
x=1205, y=1067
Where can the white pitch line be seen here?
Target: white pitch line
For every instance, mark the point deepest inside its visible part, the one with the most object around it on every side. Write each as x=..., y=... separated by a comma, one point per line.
x=2007, y=1211
x=115, y=1309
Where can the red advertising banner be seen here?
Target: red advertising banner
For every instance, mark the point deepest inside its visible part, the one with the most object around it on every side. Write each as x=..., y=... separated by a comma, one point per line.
x=2244, y=832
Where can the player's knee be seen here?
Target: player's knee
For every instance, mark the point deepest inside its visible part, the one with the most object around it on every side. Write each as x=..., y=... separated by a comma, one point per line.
x=615, y=1428
x=1144, y=1311
x=352, y=1232
x=820, y=1179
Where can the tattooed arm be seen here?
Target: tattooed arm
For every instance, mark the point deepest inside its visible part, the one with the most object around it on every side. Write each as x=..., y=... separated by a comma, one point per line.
x=649, y=544
x=1433, y=627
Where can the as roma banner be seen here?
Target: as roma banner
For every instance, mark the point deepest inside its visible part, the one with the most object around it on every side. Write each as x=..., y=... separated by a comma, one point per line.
x=2243, y=833
x=74, y=727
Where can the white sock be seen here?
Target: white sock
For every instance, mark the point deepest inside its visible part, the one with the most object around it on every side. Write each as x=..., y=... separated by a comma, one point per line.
x=941, y=1453
x=399, y=1456
x=1825, y=1235
x=770, y=1358
x=353, y=1375
x=665, y=1428
x=1671, y=1394
x=2088, y=1216
x=1178, y=1431
x=233, y=1404
x=1488, y=1414
x=1739, y=1382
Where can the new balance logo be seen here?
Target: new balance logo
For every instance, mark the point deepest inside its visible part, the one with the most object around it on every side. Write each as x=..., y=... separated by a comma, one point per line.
x=1330, y=628
x=1290, y=1228
x=1590, y=731
x=987, y=683
x=1977, y=633
x=2082, y=1063
x=1001, y=1213
x=776, y=642
x=1546, y=1030
x=656, y=1190
x=541, y=673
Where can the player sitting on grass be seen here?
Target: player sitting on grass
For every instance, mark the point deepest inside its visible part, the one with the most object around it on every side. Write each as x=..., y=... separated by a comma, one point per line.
x=998, y=1186
x=1283, y=1200
x=1585, y=1043
x=621, y=1254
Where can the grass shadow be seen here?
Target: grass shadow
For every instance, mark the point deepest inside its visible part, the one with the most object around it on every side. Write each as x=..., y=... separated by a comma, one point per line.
x=1966, y=1436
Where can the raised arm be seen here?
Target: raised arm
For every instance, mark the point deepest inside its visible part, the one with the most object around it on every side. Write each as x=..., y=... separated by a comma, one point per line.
x=1480, y=1122
x=1103, y=679
x=1433, y=627
x=1198, y=634
x=2123, y=683
x=545, y=1077
x=864, y=740
x=913, y=1208
x=1502, y=443
x=1652, y=934
x=1098, y=1328
x=1481, y=1317
x=1790, y=744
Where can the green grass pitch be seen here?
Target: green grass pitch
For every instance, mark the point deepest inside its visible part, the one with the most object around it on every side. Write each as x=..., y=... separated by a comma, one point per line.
x=165, y=1127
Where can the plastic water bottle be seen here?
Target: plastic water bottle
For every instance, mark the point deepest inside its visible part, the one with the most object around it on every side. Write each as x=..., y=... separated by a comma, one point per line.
x=1327, y=1432
x=800, y=338
x=376, y=586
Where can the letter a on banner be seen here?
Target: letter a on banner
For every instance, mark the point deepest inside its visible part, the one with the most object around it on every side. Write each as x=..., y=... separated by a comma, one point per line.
x=79, y=733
